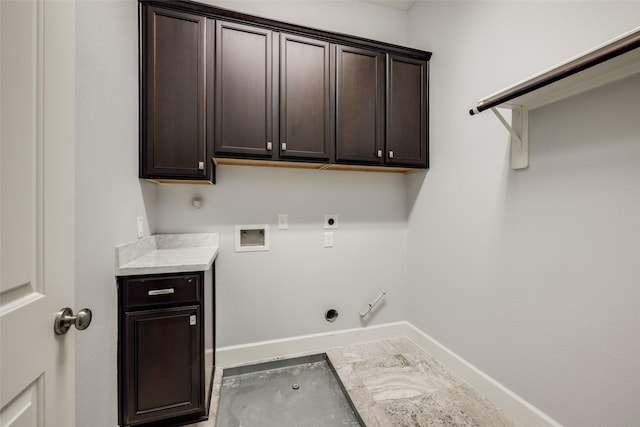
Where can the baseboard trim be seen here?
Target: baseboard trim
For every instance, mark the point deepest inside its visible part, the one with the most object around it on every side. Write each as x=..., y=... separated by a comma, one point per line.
x=287, y=347
x=518, y=409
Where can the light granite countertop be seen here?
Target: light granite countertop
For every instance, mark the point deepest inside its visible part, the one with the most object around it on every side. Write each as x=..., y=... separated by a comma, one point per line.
x=167, y=253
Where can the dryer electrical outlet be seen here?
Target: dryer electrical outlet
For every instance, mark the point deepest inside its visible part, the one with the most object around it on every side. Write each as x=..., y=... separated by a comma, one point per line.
x=330, y=221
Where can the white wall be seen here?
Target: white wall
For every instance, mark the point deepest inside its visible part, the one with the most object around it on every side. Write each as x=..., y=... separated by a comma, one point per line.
x=109, y=195
x=528, y=275
x=531, y=275
x=351, y=17
x=260, y=304
x=286, y=291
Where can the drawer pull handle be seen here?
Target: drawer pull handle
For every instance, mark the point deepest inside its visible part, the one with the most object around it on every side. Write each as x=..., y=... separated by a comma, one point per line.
x=161, y=291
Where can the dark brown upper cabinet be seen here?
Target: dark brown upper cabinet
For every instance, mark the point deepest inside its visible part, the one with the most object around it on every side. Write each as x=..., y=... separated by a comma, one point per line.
x=407, y=94
x=272, y=95
x=176, y=140
x=219, y=86
x=244, y=90
x=305, y=98
x=360, y=105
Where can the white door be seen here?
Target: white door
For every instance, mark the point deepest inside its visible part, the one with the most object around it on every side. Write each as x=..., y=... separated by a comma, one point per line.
x=36, y=211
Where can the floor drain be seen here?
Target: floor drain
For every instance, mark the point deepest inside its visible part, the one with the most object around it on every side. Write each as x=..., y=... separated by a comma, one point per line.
x=295, y=386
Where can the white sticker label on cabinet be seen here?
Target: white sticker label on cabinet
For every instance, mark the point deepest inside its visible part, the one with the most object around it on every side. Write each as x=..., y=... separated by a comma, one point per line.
x=192, y=320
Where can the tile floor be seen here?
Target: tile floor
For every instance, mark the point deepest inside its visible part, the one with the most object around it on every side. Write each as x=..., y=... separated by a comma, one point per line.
x=393, y=383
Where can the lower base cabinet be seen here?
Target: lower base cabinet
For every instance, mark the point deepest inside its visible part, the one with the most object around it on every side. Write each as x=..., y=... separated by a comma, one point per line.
x=161, y=350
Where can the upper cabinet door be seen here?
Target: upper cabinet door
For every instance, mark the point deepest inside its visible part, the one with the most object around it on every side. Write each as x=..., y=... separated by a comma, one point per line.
x=360, y=105
x=254, y=91
x=175, y=139
x=244, y=90
x=305, y=101
x=407, y=112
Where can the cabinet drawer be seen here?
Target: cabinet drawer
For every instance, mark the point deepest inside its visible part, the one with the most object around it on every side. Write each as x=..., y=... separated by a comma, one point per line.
x=163, y=290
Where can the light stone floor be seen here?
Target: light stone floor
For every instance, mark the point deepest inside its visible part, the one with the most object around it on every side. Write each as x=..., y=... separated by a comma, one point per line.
x=393, y=383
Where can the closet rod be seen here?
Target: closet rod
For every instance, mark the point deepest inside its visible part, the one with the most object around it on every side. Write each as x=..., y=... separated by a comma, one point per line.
x=620, y=46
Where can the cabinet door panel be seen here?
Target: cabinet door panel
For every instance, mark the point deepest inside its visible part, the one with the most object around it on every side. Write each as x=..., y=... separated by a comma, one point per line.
x=360, y=105
x=243, y=90
x=174, y=140
x=407, y=114
x=163, y=367
x=305, y=104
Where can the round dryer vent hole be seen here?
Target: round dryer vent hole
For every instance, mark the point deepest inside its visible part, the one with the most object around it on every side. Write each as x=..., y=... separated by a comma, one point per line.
x=331, y=315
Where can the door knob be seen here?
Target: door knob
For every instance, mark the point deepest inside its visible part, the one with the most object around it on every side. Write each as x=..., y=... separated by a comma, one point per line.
x=65, y=318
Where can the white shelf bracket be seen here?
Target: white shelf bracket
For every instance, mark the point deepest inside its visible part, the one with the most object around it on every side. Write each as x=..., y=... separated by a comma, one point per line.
x=519, y=130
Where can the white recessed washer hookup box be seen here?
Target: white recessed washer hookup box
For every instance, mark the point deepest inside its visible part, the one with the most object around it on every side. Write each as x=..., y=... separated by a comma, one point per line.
x=252, y=238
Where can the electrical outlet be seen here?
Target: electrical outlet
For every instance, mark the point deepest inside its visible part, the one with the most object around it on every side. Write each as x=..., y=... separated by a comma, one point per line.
x=283, y=222
x=140, y=227
x=328, y=239
x=330, y=221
